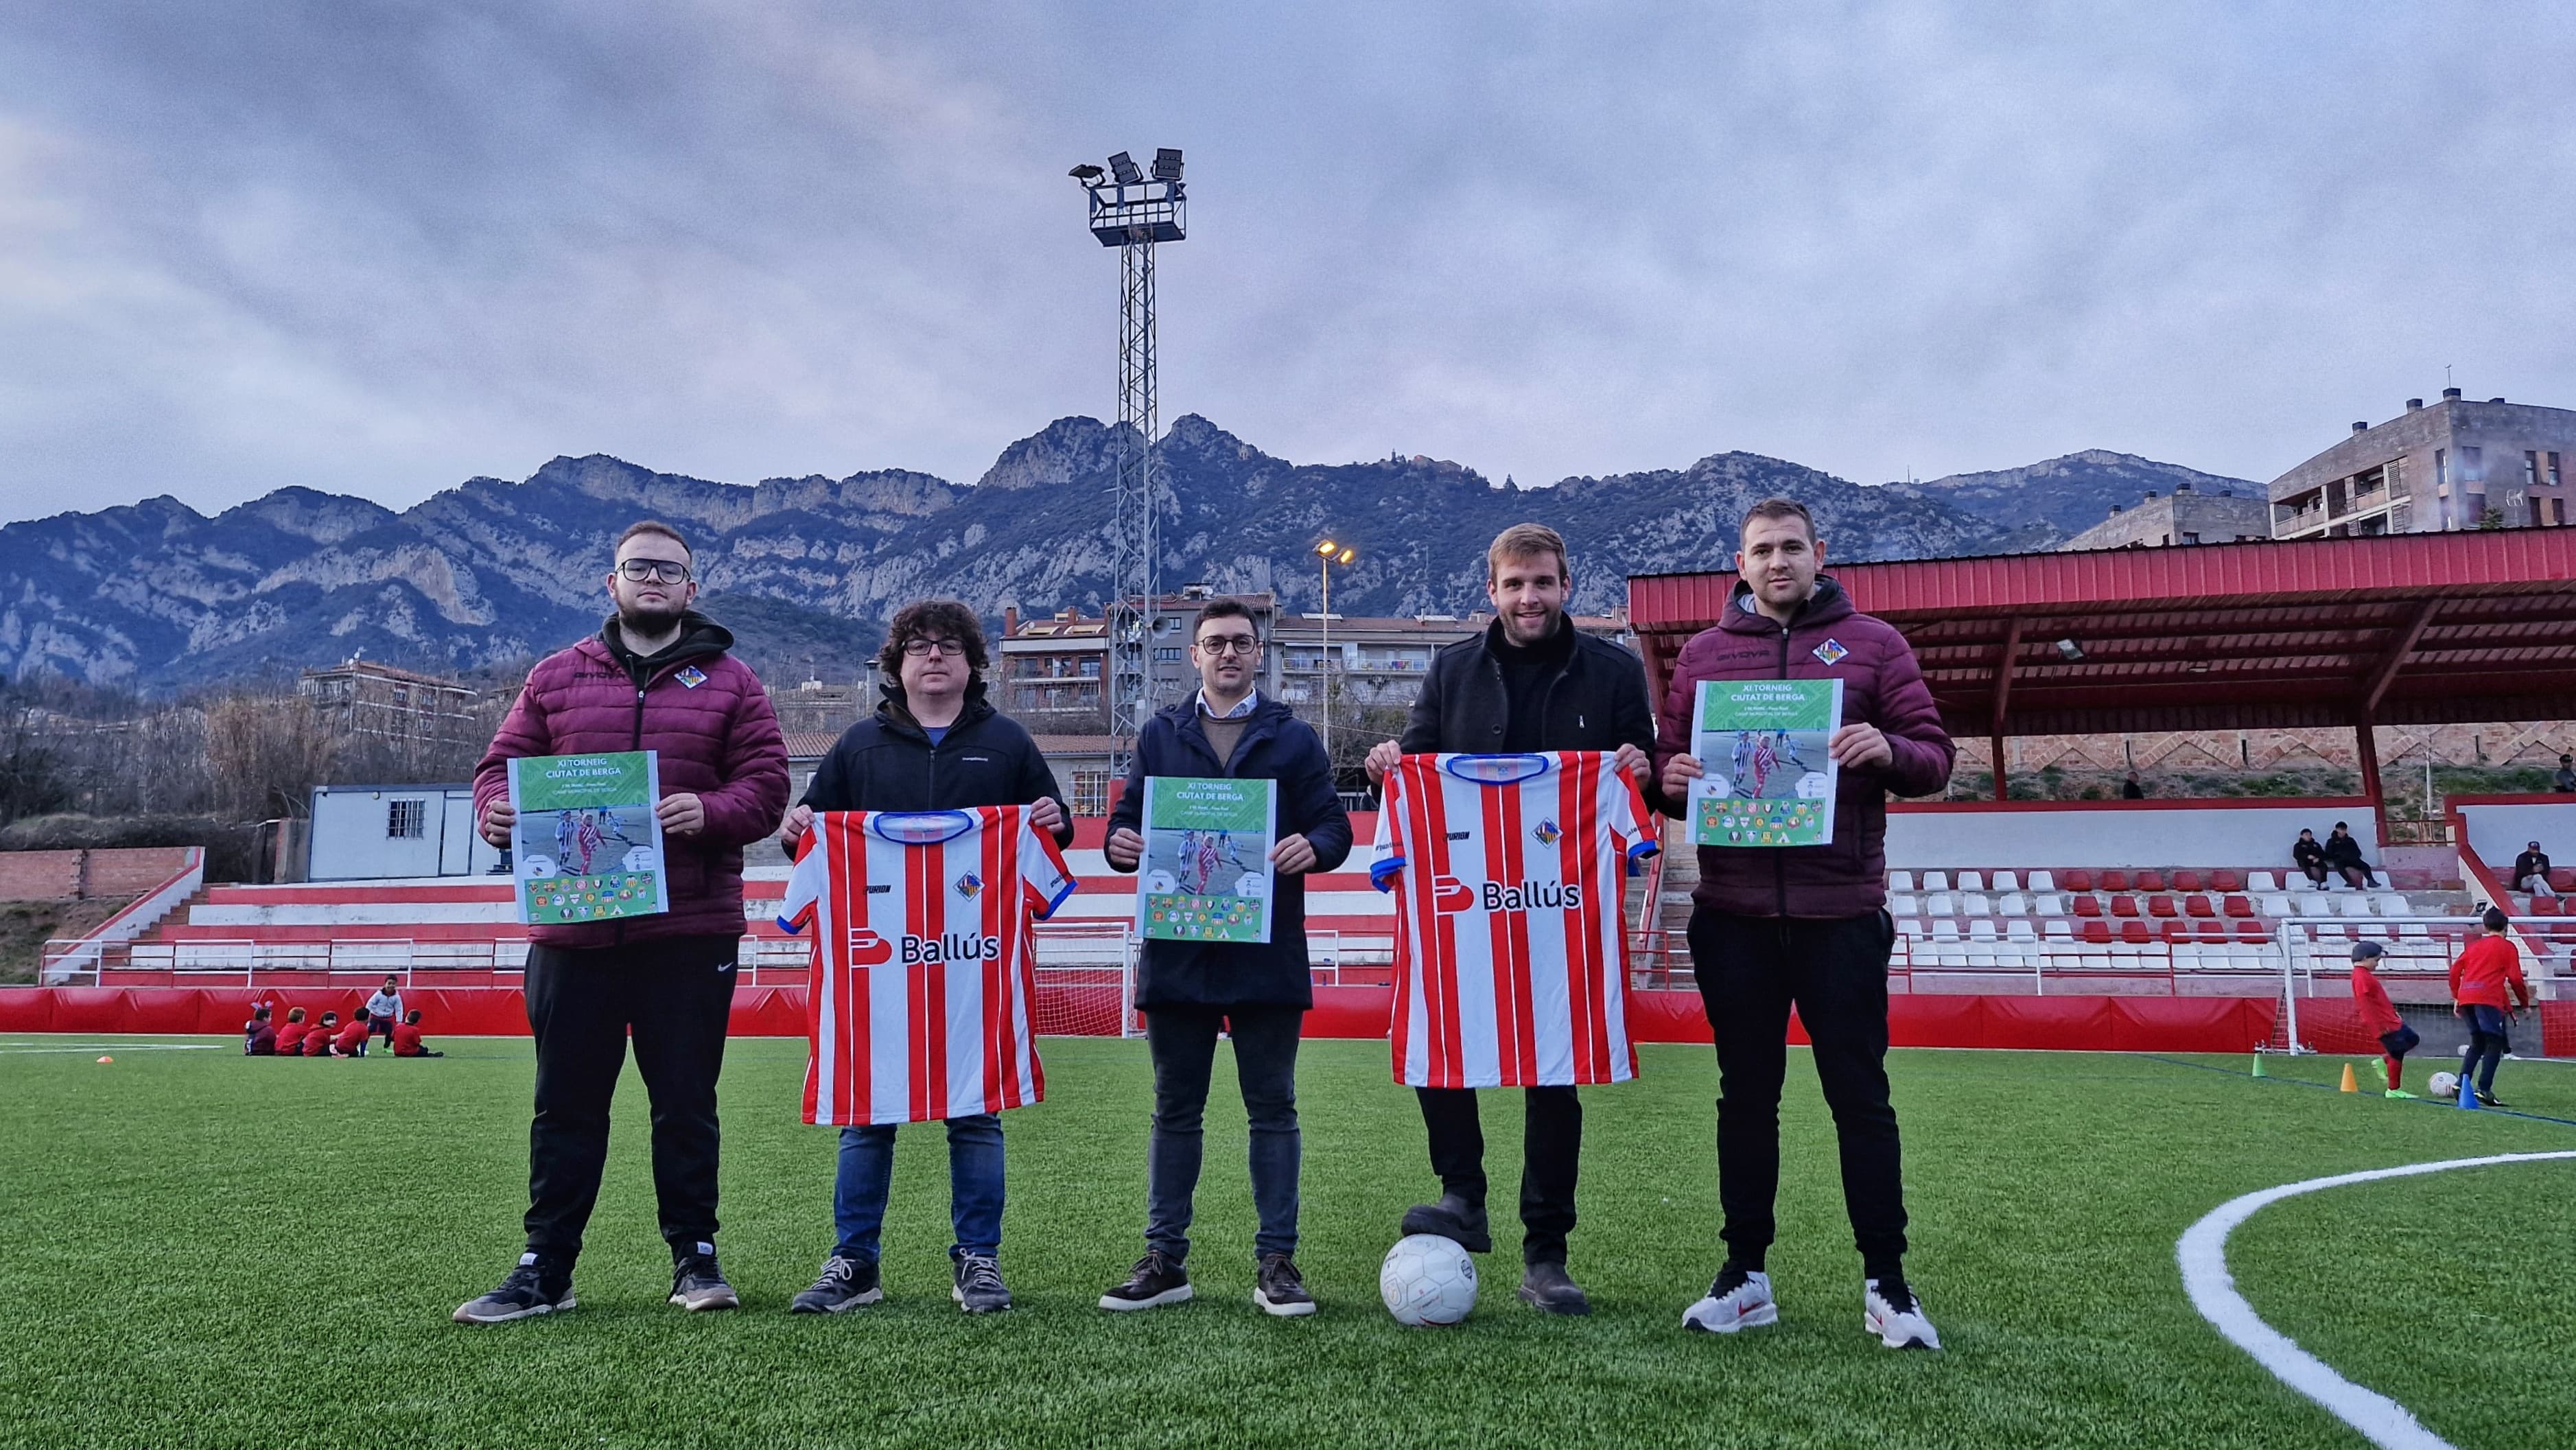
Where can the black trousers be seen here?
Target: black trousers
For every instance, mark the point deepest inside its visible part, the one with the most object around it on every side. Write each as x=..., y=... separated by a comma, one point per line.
x=674, y=996
x=1551, y=1149
x=1751, y=969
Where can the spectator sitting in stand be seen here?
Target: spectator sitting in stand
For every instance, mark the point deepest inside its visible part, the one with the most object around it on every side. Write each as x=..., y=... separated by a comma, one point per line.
x=2130, y=790
x=384, y=1010
x=351, y=1041
x=2343, y=853
x=290, y=1038
x=259, y=1039
x=2531, y=871
x=406, y=1037
x=2310, y=857
x=2565, y=784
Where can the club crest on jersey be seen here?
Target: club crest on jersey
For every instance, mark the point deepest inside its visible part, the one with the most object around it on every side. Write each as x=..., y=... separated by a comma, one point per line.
x=691, y=677
x=1831, y=651
x=970, y=885
x=1546, y=833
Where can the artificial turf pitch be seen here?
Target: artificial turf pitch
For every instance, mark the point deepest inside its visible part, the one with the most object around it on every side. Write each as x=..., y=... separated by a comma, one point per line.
x=204, y=1250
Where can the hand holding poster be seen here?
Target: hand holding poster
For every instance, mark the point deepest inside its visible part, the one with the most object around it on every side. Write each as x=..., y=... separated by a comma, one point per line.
x=1769, y=779
x=1206, y=875
x=588, y=844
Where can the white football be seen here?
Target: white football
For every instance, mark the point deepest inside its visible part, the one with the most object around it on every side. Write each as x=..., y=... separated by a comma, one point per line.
x=1427, y=1280
x=2443, y=1084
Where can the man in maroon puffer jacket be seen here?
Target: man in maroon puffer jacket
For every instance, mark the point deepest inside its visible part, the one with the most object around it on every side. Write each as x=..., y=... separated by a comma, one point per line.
x=656, y=677
x=1772, y=926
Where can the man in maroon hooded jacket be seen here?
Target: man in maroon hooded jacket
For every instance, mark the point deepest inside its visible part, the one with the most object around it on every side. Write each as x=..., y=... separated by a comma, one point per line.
x=1806, y=925
x=656, y=677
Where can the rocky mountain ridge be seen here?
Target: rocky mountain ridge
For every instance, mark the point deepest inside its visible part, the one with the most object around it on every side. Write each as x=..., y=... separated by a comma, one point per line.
x=158, y=597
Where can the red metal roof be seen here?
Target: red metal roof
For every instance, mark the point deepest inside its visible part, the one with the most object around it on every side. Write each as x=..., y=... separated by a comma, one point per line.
x=2416, y=629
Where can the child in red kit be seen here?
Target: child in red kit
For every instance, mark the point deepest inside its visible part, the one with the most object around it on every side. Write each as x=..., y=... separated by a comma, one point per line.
x=290, y=1038
x=351, y=1041
x=2379, y=1015
x=317, y=1043
x=407, y=1037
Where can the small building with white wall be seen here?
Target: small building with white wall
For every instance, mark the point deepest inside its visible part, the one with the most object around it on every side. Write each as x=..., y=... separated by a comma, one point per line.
x=387, y=832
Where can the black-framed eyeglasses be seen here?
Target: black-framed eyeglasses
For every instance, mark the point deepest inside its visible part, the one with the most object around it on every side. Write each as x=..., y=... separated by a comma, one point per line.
x=660, y=571
x=922, y=649
x=1240, y=644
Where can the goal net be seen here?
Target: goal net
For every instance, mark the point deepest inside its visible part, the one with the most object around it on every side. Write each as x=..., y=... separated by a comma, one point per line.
x=1086, y=980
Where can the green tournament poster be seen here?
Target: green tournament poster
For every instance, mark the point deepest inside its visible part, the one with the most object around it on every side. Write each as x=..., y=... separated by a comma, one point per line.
x=588, y=843
x=1768, y=778
x=1207, y=874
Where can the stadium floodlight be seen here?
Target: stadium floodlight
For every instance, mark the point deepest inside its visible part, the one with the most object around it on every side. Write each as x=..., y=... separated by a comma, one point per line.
x=1331, y=554
x=1167, y=163
x=1086, y=173
x=2070, y=650
x=1325, y=548
x=1123, y=167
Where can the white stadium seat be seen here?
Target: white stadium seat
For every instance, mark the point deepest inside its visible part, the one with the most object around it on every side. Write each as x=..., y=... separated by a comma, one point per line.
x=2018, y=929
x=2048, y=903
x=2274, y=904
x=1936, y=880
x=1909, y=927
x=2058, y=930
x=1941, y=903
x=2413, y=929
x=2313, y=904
x=1903, y=905
x=2042, y=881
x=1900, y=880
x=2395, y=905
x=1981, y=930
x=1971, y=881
x=2358, y=904
x=2005, y=881
x=2261, y=881
x=1972, y=904
x=1944, y=929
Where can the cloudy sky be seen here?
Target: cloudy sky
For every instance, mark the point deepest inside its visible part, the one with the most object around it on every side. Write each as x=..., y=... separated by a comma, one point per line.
x=379, y=248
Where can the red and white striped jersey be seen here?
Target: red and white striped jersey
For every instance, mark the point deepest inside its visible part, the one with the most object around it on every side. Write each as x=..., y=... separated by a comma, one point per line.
x=1511, y=960
x=919, y=1001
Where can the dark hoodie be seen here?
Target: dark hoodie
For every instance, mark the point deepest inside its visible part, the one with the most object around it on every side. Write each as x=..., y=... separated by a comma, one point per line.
x=887, y=763
x=1882, y=686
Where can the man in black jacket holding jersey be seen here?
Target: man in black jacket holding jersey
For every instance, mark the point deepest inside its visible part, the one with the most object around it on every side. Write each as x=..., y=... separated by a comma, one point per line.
x=1256, y=992
x=1530, y=684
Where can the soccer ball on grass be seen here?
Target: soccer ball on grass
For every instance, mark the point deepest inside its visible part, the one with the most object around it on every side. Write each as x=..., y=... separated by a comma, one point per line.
x=2444, y=1085
x=1427, y=1280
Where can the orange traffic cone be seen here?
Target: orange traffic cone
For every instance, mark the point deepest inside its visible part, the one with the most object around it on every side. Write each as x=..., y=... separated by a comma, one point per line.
x=2350, y=1084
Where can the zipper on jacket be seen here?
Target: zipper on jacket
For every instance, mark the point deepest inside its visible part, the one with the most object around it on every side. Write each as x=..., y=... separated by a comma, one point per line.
x=1780, y=862
x=619, y=938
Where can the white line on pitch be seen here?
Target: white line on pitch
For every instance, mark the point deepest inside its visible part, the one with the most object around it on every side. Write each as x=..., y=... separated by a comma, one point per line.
x=2203, y=1253
x=13, y=1049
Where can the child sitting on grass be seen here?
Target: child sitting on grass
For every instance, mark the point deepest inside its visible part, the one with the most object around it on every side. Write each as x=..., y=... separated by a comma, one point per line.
x=407, y=1037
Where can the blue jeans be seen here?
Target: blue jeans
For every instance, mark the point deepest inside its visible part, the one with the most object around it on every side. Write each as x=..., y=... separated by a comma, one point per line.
x=974, y=1187
x=2488, y=1044
x=1183, y=1042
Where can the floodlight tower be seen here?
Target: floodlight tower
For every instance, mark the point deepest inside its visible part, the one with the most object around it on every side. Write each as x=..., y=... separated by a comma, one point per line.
x=1133, y=212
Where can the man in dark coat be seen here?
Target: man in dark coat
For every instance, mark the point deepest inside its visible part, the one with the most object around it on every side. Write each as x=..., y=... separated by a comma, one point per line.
x=936, y=743
x=1256, y=992
x=1530, y=684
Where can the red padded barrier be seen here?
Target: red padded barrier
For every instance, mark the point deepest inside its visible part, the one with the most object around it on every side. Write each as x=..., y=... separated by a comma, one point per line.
x=2096, y=1024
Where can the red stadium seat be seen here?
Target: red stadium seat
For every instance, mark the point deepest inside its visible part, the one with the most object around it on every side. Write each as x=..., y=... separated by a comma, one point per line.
x=2075, y=880
x=2149, y=881
x=2115, y=880
x=2226, y=881
x=2198, y=905
x=2162, y=906
x=2563, y=879
x=2186, y=881
x=2544, y=906
x=2097, y=931
x=2177, y=930
x=2088, y=905
x=2136, y=931
x=2124, y=906
x=2240, y=906
x=2252, y=930
x=2213, y=930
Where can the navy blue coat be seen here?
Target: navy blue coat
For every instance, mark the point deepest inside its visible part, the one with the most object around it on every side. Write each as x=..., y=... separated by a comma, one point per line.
x=1276, y=745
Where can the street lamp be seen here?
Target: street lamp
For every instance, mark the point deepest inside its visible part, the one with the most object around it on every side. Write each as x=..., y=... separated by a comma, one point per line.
x=1331, y=554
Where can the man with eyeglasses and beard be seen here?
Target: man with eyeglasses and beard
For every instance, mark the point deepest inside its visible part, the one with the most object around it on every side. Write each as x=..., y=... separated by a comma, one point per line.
x=658, y=677
x=935, y=744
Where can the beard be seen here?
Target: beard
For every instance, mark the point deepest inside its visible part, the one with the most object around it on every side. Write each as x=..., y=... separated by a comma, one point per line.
x=646, y=619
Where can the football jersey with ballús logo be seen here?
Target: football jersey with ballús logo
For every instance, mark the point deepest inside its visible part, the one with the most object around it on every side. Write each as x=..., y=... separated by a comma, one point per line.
x=1511, y=957
x=919, y=999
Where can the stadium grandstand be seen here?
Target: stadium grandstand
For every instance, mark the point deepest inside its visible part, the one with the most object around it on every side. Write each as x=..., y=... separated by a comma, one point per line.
x=2167, y=923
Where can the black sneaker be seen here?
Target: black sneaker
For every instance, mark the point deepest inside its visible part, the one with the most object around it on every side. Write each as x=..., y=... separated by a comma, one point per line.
x=697, y=1284
x=1153, y=1283
x=1280, y=1289
x=1550, y=1290
x=845, y=1284
x=979, y=1288
x=2489, y=1100
x=535, y=1286
x=1452, y=1218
